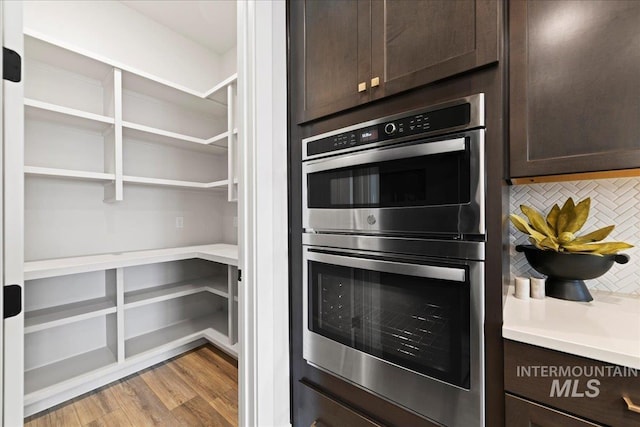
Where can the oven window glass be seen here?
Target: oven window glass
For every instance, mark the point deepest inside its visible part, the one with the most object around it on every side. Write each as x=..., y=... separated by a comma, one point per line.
x=437, y=179
x=418, y=323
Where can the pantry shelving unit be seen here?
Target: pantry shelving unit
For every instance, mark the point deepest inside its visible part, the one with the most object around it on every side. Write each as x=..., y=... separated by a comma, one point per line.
x=124, y=108
x=91, y=319
x=119, y=319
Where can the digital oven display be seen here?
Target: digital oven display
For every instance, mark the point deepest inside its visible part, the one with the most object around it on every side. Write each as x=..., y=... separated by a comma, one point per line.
x=368, y=135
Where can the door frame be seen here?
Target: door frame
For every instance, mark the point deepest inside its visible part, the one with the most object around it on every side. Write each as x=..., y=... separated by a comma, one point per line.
x=13, y=219
x=2, y=214
x=262, y=208
x=264, y=391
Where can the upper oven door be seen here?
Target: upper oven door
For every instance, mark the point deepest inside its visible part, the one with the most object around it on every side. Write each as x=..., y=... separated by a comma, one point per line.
x=427, y=186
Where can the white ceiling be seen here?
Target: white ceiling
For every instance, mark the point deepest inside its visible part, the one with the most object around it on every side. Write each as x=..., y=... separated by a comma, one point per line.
x=211, y=23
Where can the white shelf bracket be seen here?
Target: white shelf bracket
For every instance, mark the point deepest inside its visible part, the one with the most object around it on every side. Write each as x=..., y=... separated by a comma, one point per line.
x=233, y=318
x=231, y=145
x=120, y=313
x=113, y=191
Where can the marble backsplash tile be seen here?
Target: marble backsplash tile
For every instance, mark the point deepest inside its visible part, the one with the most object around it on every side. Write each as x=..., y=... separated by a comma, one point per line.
x=613, y=201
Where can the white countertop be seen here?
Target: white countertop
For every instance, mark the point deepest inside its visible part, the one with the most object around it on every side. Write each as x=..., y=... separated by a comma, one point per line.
x=222, y=253
x=605, y=329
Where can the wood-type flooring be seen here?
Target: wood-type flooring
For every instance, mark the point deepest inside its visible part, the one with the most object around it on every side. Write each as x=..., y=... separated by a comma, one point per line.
x=197, y=388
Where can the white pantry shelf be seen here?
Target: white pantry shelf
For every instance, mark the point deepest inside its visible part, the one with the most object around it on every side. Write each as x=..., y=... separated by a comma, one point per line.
x=219, y=140
x=176, y=334
x=215, y=285
x=44, y=111
x=219, y=252
x=222, y=139
x=216, y=92
x=134, y=131
x=38, y=379
x=165, y=136
x=39, y=320
x=175, y=183
x=69, y=173
x=137, y=85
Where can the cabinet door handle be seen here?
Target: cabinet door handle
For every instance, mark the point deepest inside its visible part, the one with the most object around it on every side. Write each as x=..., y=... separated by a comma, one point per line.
x=361, y=88
x=375, y=82
x=630, y=405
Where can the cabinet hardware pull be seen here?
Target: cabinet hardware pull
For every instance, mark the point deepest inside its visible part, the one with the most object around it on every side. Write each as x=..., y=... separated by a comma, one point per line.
x=630, y=405
x=375, y=82
x=361, y=88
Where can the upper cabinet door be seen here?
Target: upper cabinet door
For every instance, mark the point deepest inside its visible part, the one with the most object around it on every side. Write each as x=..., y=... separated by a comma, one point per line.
x=415, y=42
x=574, y=86
x=331, y=52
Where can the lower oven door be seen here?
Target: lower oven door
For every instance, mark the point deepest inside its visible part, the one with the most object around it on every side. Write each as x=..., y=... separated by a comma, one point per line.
x=406, y=329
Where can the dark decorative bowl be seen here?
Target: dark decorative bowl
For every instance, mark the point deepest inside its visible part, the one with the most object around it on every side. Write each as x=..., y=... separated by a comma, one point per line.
x=567, y=271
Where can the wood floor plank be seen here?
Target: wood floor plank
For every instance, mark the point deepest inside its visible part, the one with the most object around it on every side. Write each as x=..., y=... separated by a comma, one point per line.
x=205, y=380
x=64, y=416
x=232, y=396
x=198, y=412
x=229, y=410
x=226, y=383
x=116, y=418
x=37, y=420
x=193, y=389
x=170, y=388
x=220, y=360
x=96, y=405
x=140, y=404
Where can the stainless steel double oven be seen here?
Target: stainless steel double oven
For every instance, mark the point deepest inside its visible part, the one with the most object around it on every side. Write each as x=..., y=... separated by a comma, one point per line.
x=393, y=274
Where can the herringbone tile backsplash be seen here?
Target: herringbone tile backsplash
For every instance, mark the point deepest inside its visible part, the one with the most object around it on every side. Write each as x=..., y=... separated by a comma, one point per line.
x=613, y=201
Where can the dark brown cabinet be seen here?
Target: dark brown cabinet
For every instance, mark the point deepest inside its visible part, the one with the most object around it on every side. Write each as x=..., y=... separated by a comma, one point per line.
x=333, y=55
x=574, y=86
x=523, y=413
x=352, y=52
x=320, y=410
x=574, y=385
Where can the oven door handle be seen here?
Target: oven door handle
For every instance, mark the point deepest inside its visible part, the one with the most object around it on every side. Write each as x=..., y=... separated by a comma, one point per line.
x=452, y=274
x=388, y=153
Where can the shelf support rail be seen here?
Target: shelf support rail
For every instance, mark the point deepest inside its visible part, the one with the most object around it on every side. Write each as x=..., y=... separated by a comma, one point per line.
x=231, y=144
x=113, y=191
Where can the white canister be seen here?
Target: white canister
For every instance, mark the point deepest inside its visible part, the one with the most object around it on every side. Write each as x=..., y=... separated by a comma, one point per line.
x=537, y=288
x=522, y=287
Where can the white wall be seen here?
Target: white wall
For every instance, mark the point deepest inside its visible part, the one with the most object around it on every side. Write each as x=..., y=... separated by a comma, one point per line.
x=230, y=223
x=123, y=35
x=230, y=62
x=68, y=218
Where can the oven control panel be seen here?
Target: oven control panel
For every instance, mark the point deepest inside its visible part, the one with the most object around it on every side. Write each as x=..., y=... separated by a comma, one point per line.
x=383, y=130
